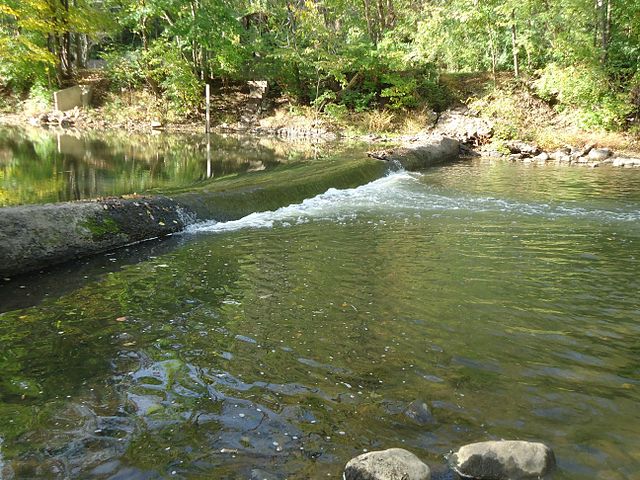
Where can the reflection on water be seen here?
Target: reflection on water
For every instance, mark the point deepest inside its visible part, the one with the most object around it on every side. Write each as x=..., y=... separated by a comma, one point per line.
x=416, y=311
x=37, y=166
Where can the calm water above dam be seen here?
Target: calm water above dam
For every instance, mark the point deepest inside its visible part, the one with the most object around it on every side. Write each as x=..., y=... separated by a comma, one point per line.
x=504, y=297
x=38, y=166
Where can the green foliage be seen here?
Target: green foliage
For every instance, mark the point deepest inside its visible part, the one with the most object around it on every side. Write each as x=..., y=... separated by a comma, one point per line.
x=165, y=66
x=402, y=94
x=161, y=66
x=360, y=100
x=40, y=98
x=336, y=111
x=586, y=89
x=22, y=61
x=361, y=56
x=32, y=36
x=123, y=68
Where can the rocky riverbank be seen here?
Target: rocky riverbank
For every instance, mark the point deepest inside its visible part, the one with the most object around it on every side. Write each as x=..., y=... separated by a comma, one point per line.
x=588, y=155
x=476, y=136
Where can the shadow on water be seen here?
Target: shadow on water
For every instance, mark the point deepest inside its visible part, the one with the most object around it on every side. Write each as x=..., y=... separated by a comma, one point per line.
x=30, y=289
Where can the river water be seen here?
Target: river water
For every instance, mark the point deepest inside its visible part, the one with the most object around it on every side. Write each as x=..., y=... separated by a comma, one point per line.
x=475, y=301
x=38, y=166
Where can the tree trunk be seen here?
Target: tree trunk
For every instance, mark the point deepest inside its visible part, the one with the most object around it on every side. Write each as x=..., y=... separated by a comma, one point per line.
x=381, y=18
x=596, y=21
x=82, y=49
x=391, y=14
x=64, y=44
x=367, y=16
x=603, y=15
x=606, y=36
x=494, y=55
x=514, y=44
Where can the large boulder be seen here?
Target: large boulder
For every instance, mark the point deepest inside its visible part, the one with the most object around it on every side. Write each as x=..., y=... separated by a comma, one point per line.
x=433, y=150
x=391, y=464
x=465, y=128
x=599, y=154
x=503, y=460
x=527, y=149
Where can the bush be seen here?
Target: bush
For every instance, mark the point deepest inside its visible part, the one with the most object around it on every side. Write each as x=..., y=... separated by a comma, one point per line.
x=402, y=94
x=586, y=89
x=634, y=101
x=359, y=100
x=22, y=67
x=336, y=111
x=168, y=68
x=162, y=66
x=124, y=68
x=40, y=98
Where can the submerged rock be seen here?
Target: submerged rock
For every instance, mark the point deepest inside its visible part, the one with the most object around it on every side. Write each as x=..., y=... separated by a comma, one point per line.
x=259, y=474
x=503, y=460
x=391, y=464
x=626, y=162
x=419, y=412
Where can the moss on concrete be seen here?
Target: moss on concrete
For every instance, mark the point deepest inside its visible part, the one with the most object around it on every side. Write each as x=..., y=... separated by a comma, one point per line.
x=100, y=227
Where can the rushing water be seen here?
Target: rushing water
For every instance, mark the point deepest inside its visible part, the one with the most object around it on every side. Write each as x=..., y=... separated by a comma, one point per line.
x=425, y=310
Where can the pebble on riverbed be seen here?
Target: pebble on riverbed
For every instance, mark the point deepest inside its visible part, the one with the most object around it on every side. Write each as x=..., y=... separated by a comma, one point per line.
x=503, y=460
x=391, y=464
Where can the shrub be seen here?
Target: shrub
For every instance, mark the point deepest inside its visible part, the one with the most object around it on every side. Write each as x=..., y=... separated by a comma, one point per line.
x=402, y=94
x=124, y=68
x=174, y=75
x=586, y=89
x=336, y=111
x=162, y=66
x=40, y=98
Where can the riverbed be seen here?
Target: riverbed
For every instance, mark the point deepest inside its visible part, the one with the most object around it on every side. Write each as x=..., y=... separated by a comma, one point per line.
x=424, y=310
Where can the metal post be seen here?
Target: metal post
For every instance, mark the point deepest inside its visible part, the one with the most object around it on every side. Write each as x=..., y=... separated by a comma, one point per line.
x=208, y=156
x=208, y=95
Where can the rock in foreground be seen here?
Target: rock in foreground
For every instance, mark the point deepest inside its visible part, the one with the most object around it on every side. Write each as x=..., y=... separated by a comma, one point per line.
x=391, y=464
x=504, y=460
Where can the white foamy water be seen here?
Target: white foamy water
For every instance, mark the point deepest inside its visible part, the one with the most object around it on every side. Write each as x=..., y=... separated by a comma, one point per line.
x=404, y=192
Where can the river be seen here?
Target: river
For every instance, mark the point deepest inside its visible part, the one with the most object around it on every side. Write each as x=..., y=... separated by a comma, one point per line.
x=474, y=301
